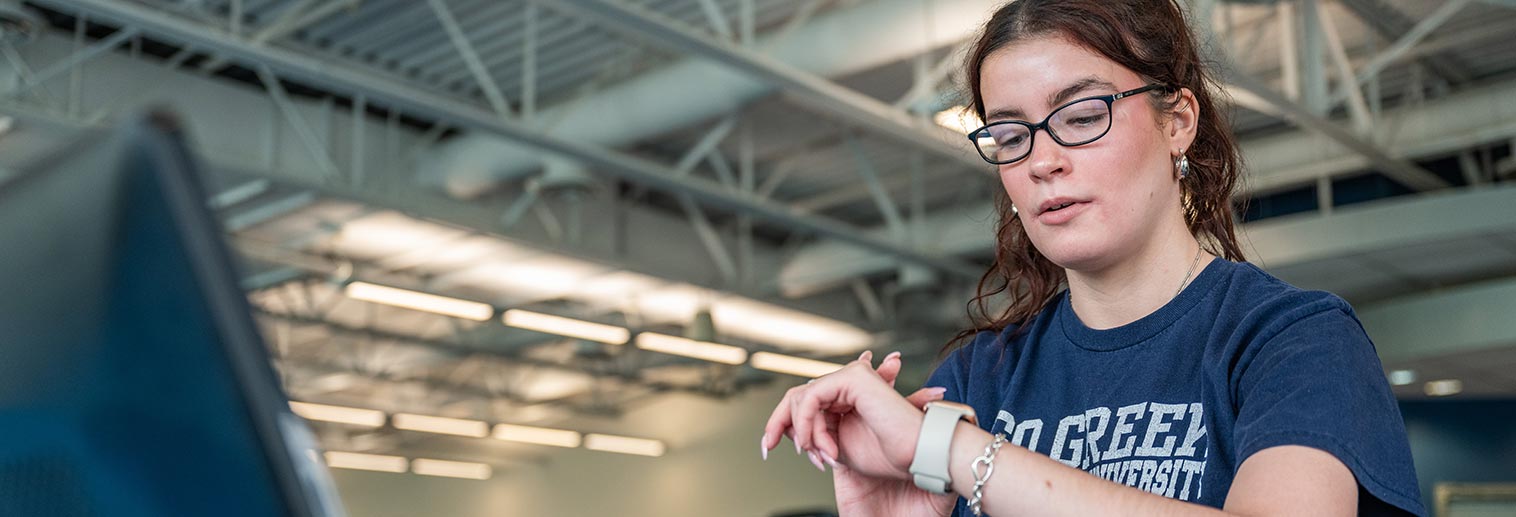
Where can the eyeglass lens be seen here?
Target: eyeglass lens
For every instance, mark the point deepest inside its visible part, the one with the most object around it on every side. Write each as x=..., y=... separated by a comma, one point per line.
x=1076, y=124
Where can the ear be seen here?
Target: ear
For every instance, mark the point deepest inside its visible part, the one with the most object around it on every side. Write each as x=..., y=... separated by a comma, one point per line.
x=1184, y=121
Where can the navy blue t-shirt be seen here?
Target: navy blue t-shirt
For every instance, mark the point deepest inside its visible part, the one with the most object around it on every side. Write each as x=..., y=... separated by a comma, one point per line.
x=1174, y=402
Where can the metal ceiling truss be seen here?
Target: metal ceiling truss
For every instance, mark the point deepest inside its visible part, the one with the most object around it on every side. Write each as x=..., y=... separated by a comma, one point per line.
x=1305, y=79
x=267, y=197
x=399, y=96
x=809, y=90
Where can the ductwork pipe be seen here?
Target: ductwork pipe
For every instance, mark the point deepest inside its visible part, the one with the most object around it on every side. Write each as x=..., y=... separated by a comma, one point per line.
x=837, y=43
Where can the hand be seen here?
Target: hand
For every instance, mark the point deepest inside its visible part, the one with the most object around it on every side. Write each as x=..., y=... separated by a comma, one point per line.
x=853, y=420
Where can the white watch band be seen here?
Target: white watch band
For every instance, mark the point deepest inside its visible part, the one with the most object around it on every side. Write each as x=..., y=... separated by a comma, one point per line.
x=930, y=465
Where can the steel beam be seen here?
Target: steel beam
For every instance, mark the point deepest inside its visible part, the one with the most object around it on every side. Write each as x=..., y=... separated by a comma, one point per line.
x=30, y=81
x=809, y=90
x=1358, y=109
x=1400, y=169
x=1404, y=44
x=1391, y=25
x=1455, y=321
x=475, y=65
x=422, y=103
x=1313, y=81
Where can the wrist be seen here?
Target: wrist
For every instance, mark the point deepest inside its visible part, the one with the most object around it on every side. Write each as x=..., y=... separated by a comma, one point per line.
x=931, y=465
x=968, y=444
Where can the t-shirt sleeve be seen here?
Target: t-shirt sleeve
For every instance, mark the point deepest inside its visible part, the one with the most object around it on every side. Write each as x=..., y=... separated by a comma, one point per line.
x=953, y=372
x=1318, y=383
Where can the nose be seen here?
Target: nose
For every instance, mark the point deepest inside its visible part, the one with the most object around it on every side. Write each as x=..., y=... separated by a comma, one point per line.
x=1046, y=159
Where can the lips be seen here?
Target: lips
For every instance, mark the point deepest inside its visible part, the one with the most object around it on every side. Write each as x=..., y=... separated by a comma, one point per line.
x=1058, y=211
x=1056, y=204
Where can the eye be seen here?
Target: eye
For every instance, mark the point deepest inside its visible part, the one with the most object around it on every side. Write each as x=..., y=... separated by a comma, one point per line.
x=1086, y=119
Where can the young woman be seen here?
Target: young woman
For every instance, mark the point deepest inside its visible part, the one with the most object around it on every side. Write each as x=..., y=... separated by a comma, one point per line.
x=1141, y=367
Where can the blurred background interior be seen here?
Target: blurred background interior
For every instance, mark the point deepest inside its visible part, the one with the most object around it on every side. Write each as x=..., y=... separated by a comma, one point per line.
x=561, y=257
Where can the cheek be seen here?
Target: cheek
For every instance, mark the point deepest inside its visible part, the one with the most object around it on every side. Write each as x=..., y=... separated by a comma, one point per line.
x=1016, y=184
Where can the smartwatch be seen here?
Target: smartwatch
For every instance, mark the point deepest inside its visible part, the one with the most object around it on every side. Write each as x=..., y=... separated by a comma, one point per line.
x=930, y=466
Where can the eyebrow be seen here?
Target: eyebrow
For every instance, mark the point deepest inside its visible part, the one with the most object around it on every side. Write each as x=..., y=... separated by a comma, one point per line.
x=1059, y=97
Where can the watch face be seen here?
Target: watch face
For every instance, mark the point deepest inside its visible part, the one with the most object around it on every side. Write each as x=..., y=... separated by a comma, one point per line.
x=965, y=409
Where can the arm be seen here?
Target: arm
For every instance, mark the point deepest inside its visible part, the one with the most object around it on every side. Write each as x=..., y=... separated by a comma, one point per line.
x=1285, y=480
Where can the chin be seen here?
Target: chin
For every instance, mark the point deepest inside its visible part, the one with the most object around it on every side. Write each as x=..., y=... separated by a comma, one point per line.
x=1076, y=254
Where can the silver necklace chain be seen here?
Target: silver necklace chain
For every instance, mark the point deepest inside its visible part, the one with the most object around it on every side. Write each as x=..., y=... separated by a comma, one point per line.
x=1183, y=283
x=1190, y=273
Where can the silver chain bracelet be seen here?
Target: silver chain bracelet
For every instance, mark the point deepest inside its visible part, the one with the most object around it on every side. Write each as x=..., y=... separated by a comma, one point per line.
x=987, y=461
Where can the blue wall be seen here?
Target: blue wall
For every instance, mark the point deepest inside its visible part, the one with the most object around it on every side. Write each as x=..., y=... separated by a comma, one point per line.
x=1461, y=440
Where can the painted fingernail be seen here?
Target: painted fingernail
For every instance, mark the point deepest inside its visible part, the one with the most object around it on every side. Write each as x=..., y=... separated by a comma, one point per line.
x=830, y=461
x=797, y=447
x=937, y=391
x=892, y=354
x=816, y=461
x=763, y=446
x=867, y=357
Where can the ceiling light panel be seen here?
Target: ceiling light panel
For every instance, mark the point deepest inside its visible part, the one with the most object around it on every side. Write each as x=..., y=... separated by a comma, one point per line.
x=416, y=300
x=537, y=435
x=359, y=461
x=338, y=414
x=451, y=469
x=440, y=425
x=674, y=345
x=624, y=445
x=569, y=327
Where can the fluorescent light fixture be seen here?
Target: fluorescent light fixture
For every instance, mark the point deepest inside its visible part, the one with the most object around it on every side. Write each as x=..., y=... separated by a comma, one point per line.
x=623, y=444
x=1402, y=377
x=338, y=414
x=420, y=301
x=451, y=469
x=788, y=364
x=787, y=328
x=1443, y=388
x=716, y=353
x=569, y=327
x=440, y=425
x=359, y=461
x=957, y=118
x=537, y=435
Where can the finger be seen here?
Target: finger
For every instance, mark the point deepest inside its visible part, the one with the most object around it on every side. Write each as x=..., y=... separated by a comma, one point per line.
x=826, y=444
x=818, y=397
x=834, y=424
x=867, y=357
x=780, y=420
x=802, y=426
x=921, y=397
x=889, y=368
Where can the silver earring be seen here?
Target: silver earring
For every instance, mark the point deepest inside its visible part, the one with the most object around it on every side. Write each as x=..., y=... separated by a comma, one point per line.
x=1014, y=211
x=1183, y=165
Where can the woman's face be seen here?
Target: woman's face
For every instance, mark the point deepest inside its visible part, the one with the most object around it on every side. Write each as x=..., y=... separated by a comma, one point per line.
x=1122, y=186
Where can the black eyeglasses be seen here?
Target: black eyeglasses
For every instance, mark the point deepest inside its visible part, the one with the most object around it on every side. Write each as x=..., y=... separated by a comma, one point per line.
x=1077, y=122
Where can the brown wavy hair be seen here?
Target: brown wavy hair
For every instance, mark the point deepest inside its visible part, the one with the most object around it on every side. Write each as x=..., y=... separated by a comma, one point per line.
x=1151, y=38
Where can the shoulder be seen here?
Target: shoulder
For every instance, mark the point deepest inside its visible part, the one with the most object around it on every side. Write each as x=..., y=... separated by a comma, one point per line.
x=1265, y=305
x=993, y=345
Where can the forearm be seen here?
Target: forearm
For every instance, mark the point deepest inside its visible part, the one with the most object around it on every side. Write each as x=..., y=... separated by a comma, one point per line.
x=1027, y=483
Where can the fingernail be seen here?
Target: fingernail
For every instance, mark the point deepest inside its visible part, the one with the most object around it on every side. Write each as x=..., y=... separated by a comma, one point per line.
x=816, y=461
x=892, y=354
x=830, y=461
x=937, y=391
x=867, y=357
x=763, y=447
x=797, y=447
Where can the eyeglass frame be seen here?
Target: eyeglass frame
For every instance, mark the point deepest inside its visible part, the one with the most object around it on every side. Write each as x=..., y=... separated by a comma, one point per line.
x=1032, y=128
